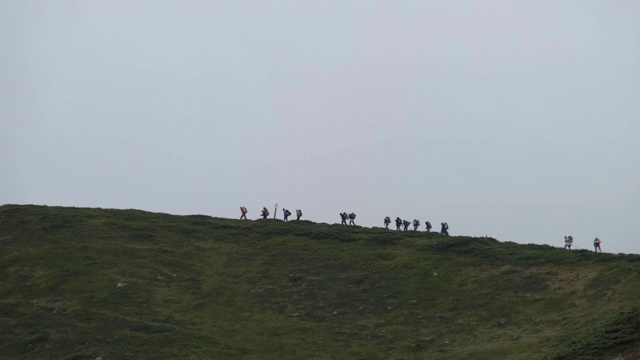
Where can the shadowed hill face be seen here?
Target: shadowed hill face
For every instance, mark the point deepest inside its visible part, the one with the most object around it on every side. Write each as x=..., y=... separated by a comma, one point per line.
x=127, y=284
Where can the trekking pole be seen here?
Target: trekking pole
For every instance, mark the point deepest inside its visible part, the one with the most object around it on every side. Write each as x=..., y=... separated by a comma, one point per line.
x=275, y=211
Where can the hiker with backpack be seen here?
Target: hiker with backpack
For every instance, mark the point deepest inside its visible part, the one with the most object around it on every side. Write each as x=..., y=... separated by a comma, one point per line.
x=344, y=216
x=387, y=221
x=568, y=241
x=352, y=218
x=398, y=223
x=445, y=228
x=428, y=226
x=243, y=211
x=286, y=213
x=264, y=213
x=596, y=245
x=406, y=224
x=298, y=214
x=416, y=224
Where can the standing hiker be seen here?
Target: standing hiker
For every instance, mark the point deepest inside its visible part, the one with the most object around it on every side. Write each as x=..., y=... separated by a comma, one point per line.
x=298, y=214
x=428, y=226
x=568, y=241
x=265, y=213
x=352, y=218
x=445, y=228
x=416, y=224
x=387, y=221
x=243, y=211
x=596, y=245
x=398, y=223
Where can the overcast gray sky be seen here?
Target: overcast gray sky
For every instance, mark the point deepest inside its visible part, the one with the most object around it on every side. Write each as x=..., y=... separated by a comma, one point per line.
x=518, y=120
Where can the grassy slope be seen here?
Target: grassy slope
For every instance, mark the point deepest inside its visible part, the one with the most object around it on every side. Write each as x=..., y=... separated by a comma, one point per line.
x=202, y=288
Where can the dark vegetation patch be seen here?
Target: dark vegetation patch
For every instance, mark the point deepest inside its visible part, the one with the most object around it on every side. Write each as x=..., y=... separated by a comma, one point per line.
x=618, y=333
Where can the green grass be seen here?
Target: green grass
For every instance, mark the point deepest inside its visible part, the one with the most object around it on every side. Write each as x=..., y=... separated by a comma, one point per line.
x=197, y=287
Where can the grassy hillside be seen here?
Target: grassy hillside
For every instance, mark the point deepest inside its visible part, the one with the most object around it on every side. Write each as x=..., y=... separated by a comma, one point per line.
x=127, y=284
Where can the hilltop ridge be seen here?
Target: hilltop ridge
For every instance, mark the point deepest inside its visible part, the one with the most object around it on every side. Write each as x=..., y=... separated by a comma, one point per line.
x=83, y=283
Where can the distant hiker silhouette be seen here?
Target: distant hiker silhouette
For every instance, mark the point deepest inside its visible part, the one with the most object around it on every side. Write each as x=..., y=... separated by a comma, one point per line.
x=428, y=226
x=445, y=228
x=243, y=211
x=352, y=218
x=568, y=241
x=387, y=221
x=406, y=224
x=286, y=214
x=264, y=213
x=298, y=214
x=416, y=224
x=596, y=245
x=398, y=223
x=344, y=216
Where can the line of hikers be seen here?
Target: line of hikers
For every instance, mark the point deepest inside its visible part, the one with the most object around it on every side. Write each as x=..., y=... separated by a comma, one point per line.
x=265, y=212
x=344, y=216
x=568, y=241
x=404, y=224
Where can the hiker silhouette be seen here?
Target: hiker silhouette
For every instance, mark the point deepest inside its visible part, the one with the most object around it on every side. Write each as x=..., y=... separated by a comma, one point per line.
x=568, y=241
x=344, y=216
x=445, y=228
x=387, y=221
x=596, y=245
x=406, y=224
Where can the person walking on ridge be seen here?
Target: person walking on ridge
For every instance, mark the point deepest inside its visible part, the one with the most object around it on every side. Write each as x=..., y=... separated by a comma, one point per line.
x=596, y=245
x=286, y=213
x=445, y=228
x=352, y=218
x=387, y=221
x=398, y=223
x=428, y=226
x=343, y=216
x=243, y=210
x=264, y=213
x=406, y=224
x=568, y=241
x=416, y=224
x=298, y=214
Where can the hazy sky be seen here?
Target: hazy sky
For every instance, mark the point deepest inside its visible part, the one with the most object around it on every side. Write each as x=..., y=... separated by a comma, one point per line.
x=518, y=120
